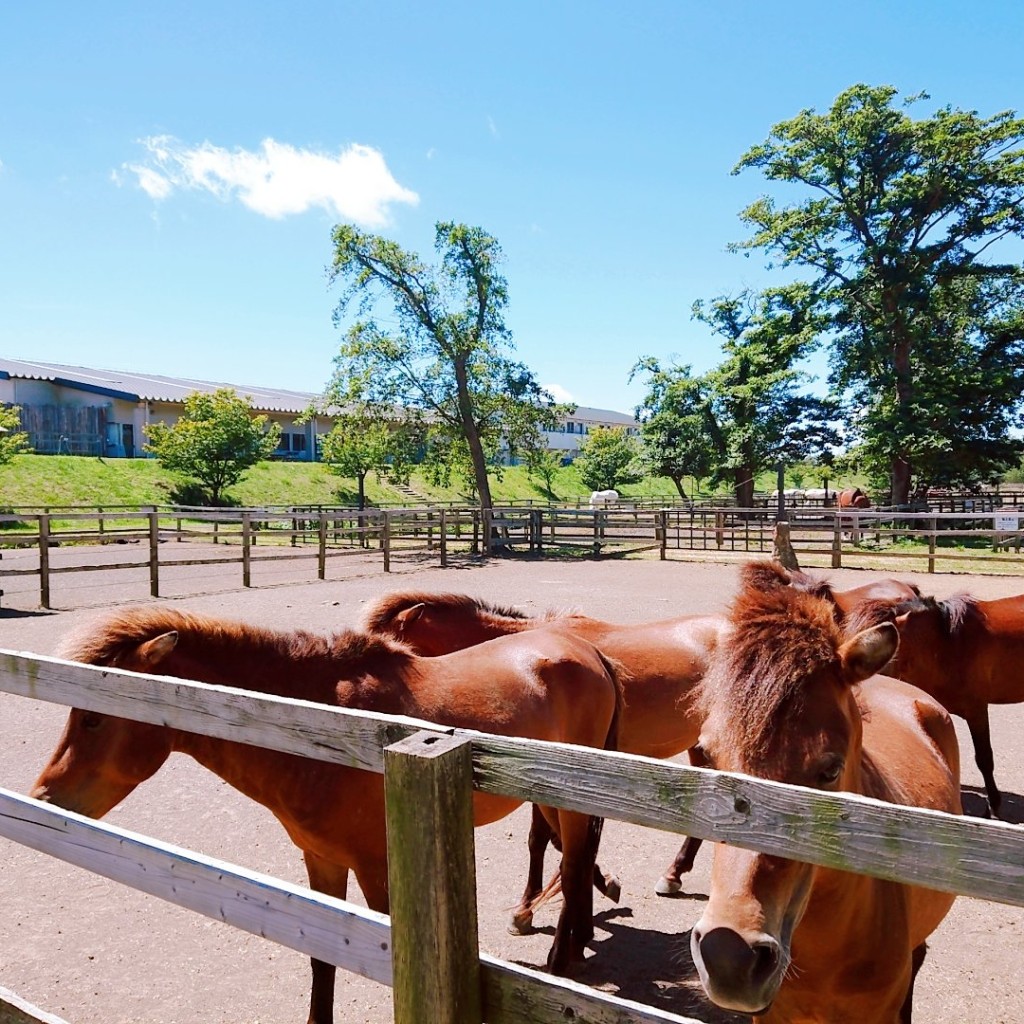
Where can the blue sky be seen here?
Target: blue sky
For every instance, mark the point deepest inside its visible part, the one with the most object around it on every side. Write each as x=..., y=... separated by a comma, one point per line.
x=170, y=173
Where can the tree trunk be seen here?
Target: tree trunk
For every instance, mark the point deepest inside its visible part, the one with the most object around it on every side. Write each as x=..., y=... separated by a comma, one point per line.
x=901, y=468
x=476, y=448
x=900, y=480
x=678, y=481
x=744, y=487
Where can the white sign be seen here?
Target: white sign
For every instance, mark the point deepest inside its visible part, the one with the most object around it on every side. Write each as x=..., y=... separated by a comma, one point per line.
x=1006, y=521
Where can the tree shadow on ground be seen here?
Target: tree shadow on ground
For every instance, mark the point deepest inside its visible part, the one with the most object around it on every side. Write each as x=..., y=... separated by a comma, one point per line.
x=20, y=613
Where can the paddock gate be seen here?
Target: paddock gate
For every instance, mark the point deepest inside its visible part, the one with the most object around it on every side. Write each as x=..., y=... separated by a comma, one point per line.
x=427, y=950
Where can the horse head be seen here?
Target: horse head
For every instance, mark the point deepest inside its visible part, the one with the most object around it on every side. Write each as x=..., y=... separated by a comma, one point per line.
x=780, y=704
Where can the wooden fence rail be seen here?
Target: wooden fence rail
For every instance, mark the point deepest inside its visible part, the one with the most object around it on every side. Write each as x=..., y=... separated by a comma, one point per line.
x=255, y=537
x=922, y=847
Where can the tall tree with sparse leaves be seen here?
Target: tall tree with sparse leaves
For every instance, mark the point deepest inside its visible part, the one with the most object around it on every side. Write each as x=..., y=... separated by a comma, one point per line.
x=896, y=212
x=442, y=349
x=215, y=440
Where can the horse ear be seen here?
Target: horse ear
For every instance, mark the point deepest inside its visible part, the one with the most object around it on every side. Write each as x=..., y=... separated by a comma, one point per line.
x=407, y=616
x=152, y=652
x=868, y=652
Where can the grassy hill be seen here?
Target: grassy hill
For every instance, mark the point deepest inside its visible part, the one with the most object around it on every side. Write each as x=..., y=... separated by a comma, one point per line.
x=35, y=480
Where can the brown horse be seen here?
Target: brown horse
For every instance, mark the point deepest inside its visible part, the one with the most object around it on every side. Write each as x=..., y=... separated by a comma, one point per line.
x=661, y=662
x=546, y=685
x=853, y=497
x=793, y=698
x=966, y=653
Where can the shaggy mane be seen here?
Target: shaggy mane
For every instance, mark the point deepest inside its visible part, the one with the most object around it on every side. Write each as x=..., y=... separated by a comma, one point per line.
x=781, y=636
x=378, y=616
x=953, y=612
x=104, y=641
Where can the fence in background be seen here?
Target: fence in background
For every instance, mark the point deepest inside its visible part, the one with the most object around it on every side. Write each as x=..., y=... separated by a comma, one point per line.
x=432, y=959
x=255, y=537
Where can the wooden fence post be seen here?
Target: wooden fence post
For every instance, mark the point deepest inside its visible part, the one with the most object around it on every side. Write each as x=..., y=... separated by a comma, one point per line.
x=435, y=953
x=662, y=531
x=321, y=555
x=246, y=560
x=443, y=538
x=719, y=527
x=837, y=542
x=933, y=527
x=99, y=521
x=154, y=553
x=44, y=560
x=486, y=527
x=385, y=540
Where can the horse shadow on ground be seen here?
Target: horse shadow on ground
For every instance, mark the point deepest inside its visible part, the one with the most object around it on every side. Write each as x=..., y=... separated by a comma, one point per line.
x=976, y=805
x=20, y=613
x=648, y=967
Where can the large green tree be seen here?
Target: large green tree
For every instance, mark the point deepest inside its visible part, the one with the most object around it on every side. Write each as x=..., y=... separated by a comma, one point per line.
x=896, y=211
x=215, y=440
x=441, y=350
x=12, y=438
x=753, y=409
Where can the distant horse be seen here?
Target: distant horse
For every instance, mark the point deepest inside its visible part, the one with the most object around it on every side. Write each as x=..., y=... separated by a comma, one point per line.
x=544, y=685
x=966, y=653
x=792, y=697
x=852, y=498
x=661, y=663
x=600, y=499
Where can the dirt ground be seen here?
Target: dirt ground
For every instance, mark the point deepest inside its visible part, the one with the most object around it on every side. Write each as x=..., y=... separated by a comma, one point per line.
x=91, y=951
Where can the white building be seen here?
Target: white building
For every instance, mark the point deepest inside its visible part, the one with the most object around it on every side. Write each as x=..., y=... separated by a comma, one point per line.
x=574, y=429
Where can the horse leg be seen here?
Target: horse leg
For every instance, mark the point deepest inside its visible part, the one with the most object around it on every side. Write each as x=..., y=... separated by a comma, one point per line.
x=916, y=960
x=541, y=833
x=978, y=725
x=543, y=830
x=331, y=879
x=580, y=834
x=671, y=882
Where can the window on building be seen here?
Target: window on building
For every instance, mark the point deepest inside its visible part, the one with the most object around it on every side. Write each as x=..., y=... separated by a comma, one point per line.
x=298, y=442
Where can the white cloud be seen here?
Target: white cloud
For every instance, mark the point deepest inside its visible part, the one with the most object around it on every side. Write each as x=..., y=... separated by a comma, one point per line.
x=277, y=180
x=558, y=392
x=493, y=127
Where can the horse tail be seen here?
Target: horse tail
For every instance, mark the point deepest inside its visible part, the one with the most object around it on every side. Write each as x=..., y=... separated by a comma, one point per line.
x=596, y=825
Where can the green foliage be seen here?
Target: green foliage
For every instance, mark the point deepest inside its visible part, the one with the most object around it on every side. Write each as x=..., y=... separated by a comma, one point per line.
x=361, y=444
x=544, y=464
x=749, y=412
x=215, y=441
x=608, y=456
x=13, y=440
x=898, y=224
x=443, y=351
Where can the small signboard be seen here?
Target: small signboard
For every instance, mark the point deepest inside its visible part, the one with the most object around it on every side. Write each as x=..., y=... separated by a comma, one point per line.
x=1006, y=521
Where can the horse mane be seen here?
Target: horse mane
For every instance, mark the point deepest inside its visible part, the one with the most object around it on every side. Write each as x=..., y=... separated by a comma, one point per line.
x=104, y=641
x=781, y=635
x=378, y=616
x=952, y=613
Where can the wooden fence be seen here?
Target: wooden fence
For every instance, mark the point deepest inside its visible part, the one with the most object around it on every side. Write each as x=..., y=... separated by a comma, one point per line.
x=430, y=956
x=249, y=537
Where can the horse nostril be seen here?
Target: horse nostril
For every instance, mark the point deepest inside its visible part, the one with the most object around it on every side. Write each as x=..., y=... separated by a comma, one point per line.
x=766, y=960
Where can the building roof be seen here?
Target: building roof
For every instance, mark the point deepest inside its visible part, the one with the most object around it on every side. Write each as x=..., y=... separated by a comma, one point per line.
x=147, y=387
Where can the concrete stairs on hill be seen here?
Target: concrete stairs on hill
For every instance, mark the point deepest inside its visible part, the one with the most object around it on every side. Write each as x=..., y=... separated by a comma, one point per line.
x=411, y=494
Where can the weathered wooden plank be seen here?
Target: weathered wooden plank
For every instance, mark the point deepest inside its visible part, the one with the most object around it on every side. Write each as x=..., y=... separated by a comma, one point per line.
x=432, y=880
x=341, y=736
x=966, y=855
x=970, y=856
x=14, y=1010
x=320, y=926
x=518, y=995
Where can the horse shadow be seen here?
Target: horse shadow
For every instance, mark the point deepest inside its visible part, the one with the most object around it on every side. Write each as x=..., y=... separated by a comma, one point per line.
x=976, y=805
x=20, y=613
x=648, y=967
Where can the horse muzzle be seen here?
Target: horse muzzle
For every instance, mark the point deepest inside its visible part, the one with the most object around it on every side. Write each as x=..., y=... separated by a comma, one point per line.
x=738, y=973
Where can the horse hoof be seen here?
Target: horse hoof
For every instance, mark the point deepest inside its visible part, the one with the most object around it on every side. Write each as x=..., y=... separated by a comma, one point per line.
x=613, y=889
x=521, y=923
x=668, y=886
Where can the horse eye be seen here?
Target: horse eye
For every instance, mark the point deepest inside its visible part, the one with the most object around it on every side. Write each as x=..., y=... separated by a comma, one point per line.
x=91, y=721
x=830, y=773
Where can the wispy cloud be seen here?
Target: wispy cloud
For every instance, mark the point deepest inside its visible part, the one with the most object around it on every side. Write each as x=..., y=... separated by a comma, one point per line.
x=493, y=127
x=275, y=181
x=559, y=393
